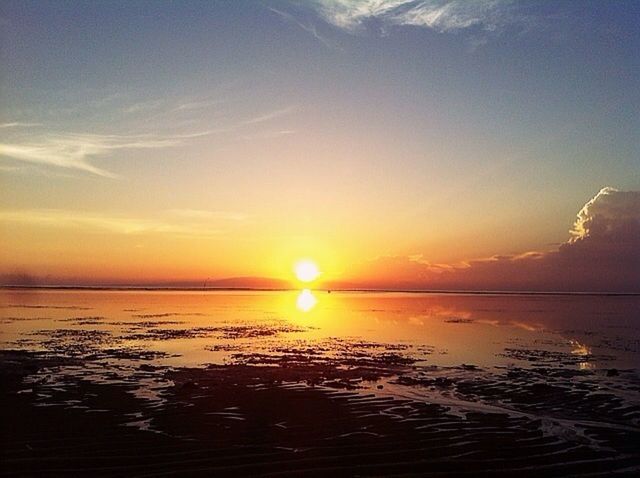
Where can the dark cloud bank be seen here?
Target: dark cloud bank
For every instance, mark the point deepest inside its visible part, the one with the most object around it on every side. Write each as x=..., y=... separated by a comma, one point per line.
x=602, y=254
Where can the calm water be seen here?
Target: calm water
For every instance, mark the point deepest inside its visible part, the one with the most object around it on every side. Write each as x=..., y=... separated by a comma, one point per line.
x=196, y=328
x=439, y=381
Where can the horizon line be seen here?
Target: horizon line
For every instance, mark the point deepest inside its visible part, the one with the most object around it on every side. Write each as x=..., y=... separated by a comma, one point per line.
x=328, y=290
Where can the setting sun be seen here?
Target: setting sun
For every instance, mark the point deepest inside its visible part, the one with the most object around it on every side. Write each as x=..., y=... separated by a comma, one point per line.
x=306, y=270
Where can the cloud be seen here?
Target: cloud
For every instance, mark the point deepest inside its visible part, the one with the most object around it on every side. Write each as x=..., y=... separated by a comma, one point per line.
x=54, y=154
x=438, y=15
x=601, y=254
x=18, y=124
x=37, y=170
x=197, y=105
x=609, y=213
x=75, y=150
x=10, y=169
x=267, y=135
x=96, y=222
x=269, y=116
x=206, y=214
x=143, y=106
x=308, y=27
x=78, y=151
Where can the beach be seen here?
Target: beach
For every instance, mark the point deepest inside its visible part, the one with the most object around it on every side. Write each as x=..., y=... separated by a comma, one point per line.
x=115, y=383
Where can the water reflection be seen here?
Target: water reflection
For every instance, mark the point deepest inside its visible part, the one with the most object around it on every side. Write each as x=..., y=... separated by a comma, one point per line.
x=306, y=300
x=192, y=327
x=496, y=365
x=582, y=350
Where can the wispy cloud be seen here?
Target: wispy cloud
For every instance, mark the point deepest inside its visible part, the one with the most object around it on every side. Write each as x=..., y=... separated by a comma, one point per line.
x=197, y=105
x=80, y=151
x=9, y=169
x=267, y=135
x=97, y=222
x=18, y=124
x=270, y=116
x=350, y=15
x=76, y=150
x=35, y=170
x=308, y=27
x=439, y=15
x=143, y=106
x=204, y=214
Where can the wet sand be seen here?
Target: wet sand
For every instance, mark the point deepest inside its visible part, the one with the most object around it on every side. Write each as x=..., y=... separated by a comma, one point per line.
x=101, y=395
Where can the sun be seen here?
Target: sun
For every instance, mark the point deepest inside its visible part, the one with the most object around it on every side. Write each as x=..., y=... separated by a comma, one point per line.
x=306, y=270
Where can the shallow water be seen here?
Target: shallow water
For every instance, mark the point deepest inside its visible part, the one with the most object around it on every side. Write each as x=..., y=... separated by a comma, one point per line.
x=250, y=383
x=196, y=328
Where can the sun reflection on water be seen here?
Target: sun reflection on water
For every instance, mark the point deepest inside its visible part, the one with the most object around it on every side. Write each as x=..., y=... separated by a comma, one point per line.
x=306, y=300
x=579, y=348
x=582, y=351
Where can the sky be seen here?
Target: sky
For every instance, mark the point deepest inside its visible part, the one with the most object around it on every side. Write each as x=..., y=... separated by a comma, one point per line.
x=398, y=144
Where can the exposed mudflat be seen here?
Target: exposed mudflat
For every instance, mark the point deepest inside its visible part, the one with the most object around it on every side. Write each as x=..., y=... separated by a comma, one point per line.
x=128, y=389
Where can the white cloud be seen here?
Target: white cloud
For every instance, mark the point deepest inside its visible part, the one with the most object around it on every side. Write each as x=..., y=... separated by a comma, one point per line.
x=267, y=135
x=269, y=116
x=349, y=14
x=18, y=124
x=308, y=27
x=439, y=15
x=455, y=15
x=143, y=106
x=75, y=150
x=52, y=155
x=78, y=151
x=197, y=105
x=10, y=169
x=605, y=214
x=207, y=214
